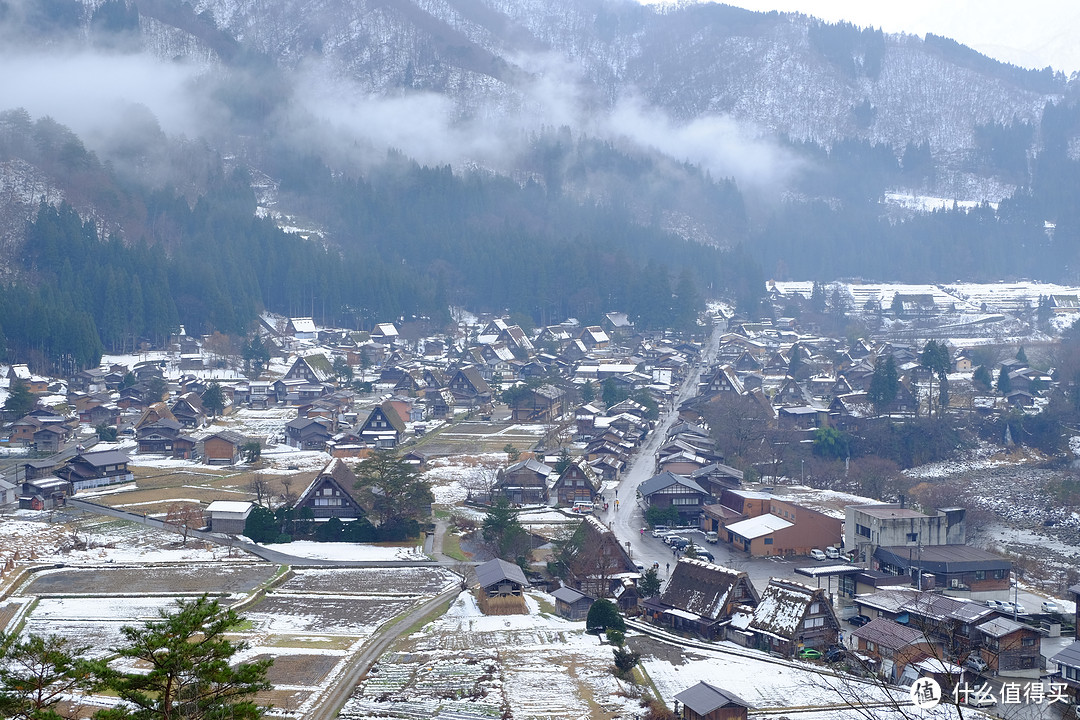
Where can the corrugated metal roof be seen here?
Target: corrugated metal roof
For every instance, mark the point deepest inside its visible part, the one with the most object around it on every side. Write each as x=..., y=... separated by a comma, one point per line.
x=495, y=570
x=703, y=698
x=1069, y=656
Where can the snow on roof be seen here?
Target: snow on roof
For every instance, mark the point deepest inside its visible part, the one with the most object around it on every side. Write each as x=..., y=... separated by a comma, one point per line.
x=782, y=607
x=759, y=526
x=229, y=507
x=304, y=325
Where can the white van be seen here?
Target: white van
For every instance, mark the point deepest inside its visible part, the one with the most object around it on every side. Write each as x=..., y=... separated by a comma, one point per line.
x=832, y=553
x=817, y=554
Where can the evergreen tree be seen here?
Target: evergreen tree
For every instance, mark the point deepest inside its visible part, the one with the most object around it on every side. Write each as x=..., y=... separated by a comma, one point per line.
x=37, y=673
x=20, y=401
x=649, y=585
x=604, y=616
x=396, y=489
x=256, y=356
x=504, y=532
x=884, y=384
x=213, y=398
x=611, y=394
x=818, y=301
x=342, y=370
x=1021, y=355
x=983, y=378
x=261, y=525
x=795, y=362
x=588, y=392
x=156, y=388
x=1004, y=382
x=186, y=668
x=935, y=358
x=564, y=461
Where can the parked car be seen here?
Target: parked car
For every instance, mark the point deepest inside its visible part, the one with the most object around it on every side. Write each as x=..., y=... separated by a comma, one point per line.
x=705, y=555
x=995, y=604
x=835, y=654
x=979, y=696
x=679, y=542
x=711, y=538
x=832, y=553
x=1049, y=606
x=976, y=664
x=817, y=554
x=660, y=531
x=810, y=654
x=1010, y=608
x=858, y=620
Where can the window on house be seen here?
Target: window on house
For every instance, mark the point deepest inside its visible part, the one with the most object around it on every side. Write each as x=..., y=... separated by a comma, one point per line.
x=913, y=537
x=999, y=574
x=768, y=541
x=862, y=530
x=815, y=609
x=813, y=622
x=1028, y=642
x=980, y=574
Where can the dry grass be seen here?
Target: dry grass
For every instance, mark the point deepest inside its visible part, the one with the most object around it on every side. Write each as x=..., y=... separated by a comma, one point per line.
x=311, y=642
x=287, y=700
x=309, y=670
x=135, y=581
x=506, y=605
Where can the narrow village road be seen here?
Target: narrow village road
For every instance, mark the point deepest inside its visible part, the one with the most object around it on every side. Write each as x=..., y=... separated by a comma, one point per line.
x=335, y=698
x=627, y=519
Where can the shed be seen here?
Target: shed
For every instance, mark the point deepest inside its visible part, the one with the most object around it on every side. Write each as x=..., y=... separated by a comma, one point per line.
x=500, y=578
x=708, y=702
x=572, y=604
x=228, y=516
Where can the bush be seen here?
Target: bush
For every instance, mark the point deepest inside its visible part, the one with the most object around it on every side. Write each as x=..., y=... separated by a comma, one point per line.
x=625, y=660
x=330, y=531
x=396, y=532
x=661, y=516
x=604, y=616
x=360, y=530
x=283, y=538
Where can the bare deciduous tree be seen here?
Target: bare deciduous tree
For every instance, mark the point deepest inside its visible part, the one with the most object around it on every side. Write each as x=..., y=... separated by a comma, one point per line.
x=183, y=518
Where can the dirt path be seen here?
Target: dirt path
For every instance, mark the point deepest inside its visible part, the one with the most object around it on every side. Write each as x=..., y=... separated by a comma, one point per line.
x=335, y=698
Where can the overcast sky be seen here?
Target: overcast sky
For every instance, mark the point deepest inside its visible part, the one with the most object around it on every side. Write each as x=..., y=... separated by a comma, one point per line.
x=1035, y=33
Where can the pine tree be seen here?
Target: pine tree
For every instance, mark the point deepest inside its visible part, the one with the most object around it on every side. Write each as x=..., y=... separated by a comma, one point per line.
x=213, y=399
x=397, y=490
x=185, y=668
x=1021, y=355
x=20, y=400
x=884, y=384
x=37, y=674
x=649, y=585
x=982, y=377
x=1004, y=383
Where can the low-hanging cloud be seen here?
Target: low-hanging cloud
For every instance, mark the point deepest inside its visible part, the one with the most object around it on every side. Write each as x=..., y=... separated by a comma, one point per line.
x=99, y=94
x=92, y=92
x=720, y=144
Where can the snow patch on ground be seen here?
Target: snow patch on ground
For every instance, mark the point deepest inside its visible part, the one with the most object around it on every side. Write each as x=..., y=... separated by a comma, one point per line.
x=347, y=551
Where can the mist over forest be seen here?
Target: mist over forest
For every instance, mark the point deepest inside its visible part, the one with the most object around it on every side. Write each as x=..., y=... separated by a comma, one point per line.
x=166, y=164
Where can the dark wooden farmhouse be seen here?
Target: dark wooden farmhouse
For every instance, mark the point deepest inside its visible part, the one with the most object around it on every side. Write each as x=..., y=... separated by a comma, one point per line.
x=330, y=494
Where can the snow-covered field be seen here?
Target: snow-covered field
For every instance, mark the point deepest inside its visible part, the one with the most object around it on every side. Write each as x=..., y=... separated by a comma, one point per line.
x=30, y=536
x=348, y=551
x=468, y=665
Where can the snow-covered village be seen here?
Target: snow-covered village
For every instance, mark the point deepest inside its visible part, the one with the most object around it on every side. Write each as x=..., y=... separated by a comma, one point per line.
x=756, y=519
